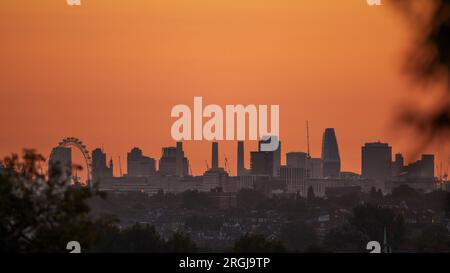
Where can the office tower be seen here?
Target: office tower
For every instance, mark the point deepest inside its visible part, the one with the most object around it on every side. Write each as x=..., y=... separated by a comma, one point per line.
x=331, y=161
x=148, y=166
x=60, y=161
x=376, y=161
x=179, y=159
x=427, y=168
x=99, y=167
x=297, y=159
x=240, y=159
x=215, y=155
x=261, y=163
x=315, y=165
x=295, y=179
x=134, y=162
x=168, y=164
x=302, y=160
x=276, y=158
x=422, y=168
x=139, y=165
x=397, y=165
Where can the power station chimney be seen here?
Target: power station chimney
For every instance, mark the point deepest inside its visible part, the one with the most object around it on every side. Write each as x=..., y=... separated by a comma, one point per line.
x=240, y=158
x=215, y=155
x=179, y=159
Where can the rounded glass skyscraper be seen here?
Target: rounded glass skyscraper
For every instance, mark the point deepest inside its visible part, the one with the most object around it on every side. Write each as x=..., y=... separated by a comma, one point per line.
x=330, y=154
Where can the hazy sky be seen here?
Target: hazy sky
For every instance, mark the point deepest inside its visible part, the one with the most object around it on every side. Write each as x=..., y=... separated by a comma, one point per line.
x=110, y=71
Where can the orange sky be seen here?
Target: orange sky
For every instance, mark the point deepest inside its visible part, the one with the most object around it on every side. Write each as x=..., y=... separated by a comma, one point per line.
x=109, y=71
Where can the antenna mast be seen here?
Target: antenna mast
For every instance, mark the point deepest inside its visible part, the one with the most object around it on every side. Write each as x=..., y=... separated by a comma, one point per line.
x=307, y=138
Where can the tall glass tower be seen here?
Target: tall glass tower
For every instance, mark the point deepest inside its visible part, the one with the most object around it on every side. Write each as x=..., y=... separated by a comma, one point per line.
x=330, y=154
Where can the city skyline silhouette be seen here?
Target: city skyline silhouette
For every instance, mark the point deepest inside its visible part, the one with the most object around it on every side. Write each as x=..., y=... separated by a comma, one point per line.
x=116, y=90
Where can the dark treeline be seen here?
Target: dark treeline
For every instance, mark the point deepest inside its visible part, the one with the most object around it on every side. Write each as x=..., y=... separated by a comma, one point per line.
x=41, y=213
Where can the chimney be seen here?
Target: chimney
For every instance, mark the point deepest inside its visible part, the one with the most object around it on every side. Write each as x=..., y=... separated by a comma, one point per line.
x=240, y=158
x=179, y=159
x=215, y=155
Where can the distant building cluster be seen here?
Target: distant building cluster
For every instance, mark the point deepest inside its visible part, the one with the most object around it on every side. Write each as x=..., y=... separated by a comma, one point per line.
x=61, y=160
x=301, y=173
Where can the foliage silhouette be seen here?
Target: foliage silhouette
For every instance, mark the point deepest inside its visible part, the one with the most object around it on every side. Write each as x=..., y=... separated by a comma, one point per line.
x=428, y=63
x=39, y=212
x=298, y=236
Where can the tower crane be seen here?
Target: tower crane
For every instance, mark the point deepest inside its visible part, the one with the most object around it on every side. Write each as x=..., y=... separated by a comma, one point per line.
x=226, y=164
x=120, y=167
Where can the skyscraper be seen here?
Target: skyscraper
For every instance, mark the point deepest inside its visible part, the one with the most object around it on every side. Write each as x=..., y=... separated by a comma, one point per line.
x=302, y=160
x=376, y=161
x=422, y=168
x=134, y=162
x=427, y=166
x=261, y=163
x=297, y=159
x=99, y=167
x=398, y=165
x=276, y=157
x=315, y=165
x=331, y=161
x=139, y=165
x=277, y=160
x=61, y=161
x=295, y=179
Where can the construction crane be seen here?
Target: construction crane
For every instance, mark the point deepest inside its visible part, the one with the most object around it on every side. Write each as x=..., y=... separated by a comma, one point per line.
x=120, y=167
x=226, y=164
x=443, y=174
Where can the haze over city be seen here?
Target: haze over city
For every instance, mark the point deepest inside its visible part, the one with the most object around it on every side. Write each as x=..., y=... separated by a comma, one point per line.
x=116, y=91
